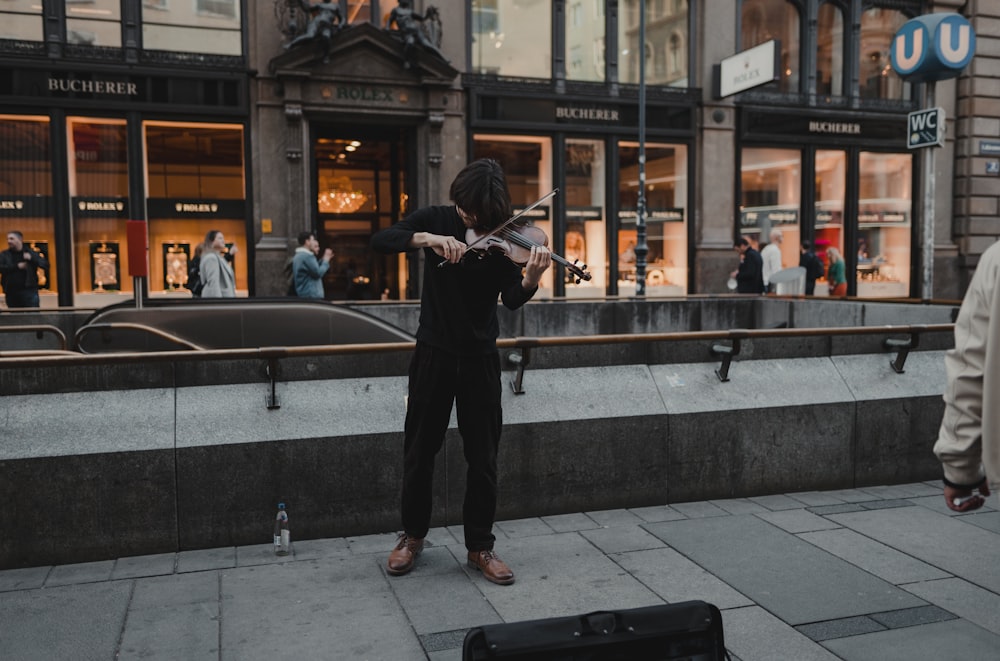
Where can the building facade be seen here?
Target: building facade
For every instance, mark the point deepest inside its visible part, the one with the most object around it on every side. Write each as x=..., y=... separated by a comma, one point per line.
x=117, y=110
x=266, y=119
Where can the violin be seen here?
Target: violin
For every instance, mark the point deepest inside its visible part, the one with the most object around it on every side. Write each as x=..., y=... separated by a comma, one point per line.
x=515, y=240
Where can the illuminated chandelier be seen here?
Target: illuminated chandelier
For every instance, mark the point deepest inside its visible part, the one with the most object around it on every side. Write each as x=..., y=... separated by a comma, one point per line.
x=341, y=197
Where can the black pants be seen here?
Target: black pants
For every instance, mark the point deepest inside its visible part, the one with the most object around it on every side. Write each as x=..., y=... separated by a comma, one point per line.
x=437, y=380
x=24, y=298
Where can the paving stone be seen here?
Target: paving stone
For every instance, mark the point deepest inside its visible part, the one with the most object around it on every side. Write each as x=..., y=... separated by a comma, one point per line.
x=172, y=632
x=445, y=640
x=23, y=579
x=367, y=544
x=699, y=510
x=674, y=578
x=779, y=571
x=816, y=498
x=433, y=560
x=659, y=513
x=848, y=495
x=263, y=554
x=326, y=610
x=885, y=504
x=883, y=561
x=618, y=540
x=936, y=503
x=847, y=626
x=739, y=506
x=776, y=502
x=524, y=527
x=962, y=598
x=570, y=522
x=443, y=601
x=898, y=491
x=176, y=590
x=911, y=617
x=753, y=633
x=835, y=509
x=65, y=622
x=87, y=572
x=931, y=537
x=797, y=520
x=615, y=518
x=984, y=520
x=204, y=559
x=561, y=574
x=144, y=565
x=939, y=640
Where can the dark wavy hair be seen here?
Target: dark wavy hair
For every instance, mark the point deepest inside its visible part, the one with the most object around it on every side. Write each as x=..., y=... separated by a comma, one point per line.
x=481, y=191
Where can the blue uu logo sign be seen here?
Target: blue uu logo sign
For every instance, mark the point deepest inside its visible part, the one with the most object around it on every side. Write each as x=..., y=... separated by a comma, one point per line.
x=932, y=47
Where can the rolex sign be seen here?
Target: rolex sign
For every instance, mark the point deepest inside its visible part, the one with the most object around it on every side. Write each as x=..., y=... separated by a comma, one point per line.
x=932, y=47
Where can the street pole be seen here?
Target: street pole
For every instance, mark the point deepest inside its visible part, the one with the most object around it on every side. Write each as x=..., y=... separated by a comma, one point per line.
x=927, y=271
x=641, y=247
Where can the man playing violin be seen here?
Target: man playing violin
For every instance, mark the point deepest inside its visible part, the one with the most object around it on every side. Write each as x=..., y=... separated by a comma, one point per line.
x=456, y=361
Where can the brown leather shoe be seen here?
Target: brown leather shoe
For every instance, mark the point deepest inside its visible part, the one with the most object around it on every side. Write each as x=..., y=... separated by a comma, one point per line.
x=493, y=568
x=402, y=557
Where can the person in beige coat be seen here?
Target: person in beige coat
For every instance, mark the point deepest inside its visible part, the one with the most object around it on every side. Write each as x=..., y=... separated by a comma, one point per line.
x=968, y=443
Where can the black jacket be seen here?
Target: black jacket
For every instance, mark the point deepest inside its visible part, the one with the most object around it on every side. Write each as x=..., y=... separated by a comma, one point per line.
x=458, y=307
x=14, y=279
x=750, y=277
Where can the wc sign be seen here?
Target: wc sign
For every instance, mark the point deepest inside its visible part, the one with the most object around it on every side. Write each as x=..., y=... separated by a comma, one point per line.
x=925, y=128
x=932, y=47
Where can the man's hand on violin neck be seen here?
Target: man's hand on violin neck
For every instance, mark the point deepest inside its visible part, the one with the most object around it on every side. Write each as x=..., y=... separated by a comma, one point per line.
x=539, y=261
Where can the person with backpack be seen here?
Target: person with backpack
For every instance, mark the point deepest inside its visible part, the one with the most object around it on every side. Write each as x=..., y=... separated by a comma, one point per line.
x=813, y=266
x=308, y=268
x=194, y=282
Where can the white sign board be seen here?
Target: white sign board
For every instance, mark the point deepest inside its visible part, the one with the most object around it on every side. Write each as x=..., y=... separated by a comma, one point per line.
x=755, y=66
x=925, y=128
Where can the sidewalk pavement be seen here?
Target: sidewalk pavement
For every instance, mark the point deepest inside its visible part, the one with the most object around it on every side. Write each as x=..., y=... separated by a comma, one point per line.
x=878, y=573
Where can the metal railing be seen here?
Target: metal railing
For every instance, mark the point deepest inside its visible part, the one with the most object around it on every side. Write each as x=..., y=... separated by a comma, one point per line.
x=124, y=325
x=39, y=330
x=519, y=360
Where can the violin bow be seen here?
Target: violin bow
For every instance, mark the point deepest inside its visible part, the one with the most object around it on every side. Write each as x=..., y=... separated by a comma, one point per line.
x=510, y=220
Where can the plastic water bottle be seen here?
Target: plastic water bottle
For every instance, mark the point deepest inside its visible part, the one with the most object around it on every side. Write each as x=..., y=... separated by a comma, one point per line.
x=282, y=535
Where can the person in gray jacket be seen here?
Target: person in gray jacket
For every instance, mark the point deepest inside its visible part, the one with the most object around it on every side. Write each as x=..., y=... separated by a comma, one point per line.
x=968, y=443
x=308, y=268
x=216, y=271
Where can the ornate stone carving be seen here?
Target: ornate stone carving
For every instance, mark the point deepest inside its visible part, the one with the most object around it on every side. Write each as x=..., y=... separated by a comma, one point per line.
x=417, y=32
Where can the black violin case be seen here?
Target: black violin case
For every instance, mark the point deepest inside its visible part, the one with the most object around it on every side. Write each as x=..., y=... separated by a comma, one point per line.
x=691, y=630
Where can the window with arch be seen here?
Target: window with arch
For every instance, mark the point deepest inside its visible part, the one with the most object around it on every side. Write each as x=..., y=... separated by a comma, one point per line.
x=877, y=79
x=676, y=53
x=830, y=50
x=666, y=33
x=764, y=20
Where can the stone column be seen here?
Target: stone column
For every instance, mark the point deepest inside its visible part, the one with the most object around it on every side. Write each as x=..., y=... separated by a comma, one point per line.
x=714, y=208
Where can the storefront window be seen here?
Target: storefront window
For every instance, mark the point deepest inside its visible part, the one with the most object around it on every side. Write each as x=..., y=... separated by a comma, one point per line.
x=26, y=192
x=830, y=51
x=585, y=40
x=196, y=26
x=527, y=163
x=512, y=38
x=585, y=215
x=884, y=208
x=22, y=20
x=666, y=218
x=765, y=20
x=94, y=22
x=194, y=183
x=770, y=196
x=878, y=80
x=831, y=188
x=98, y=186
x=666, y=42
